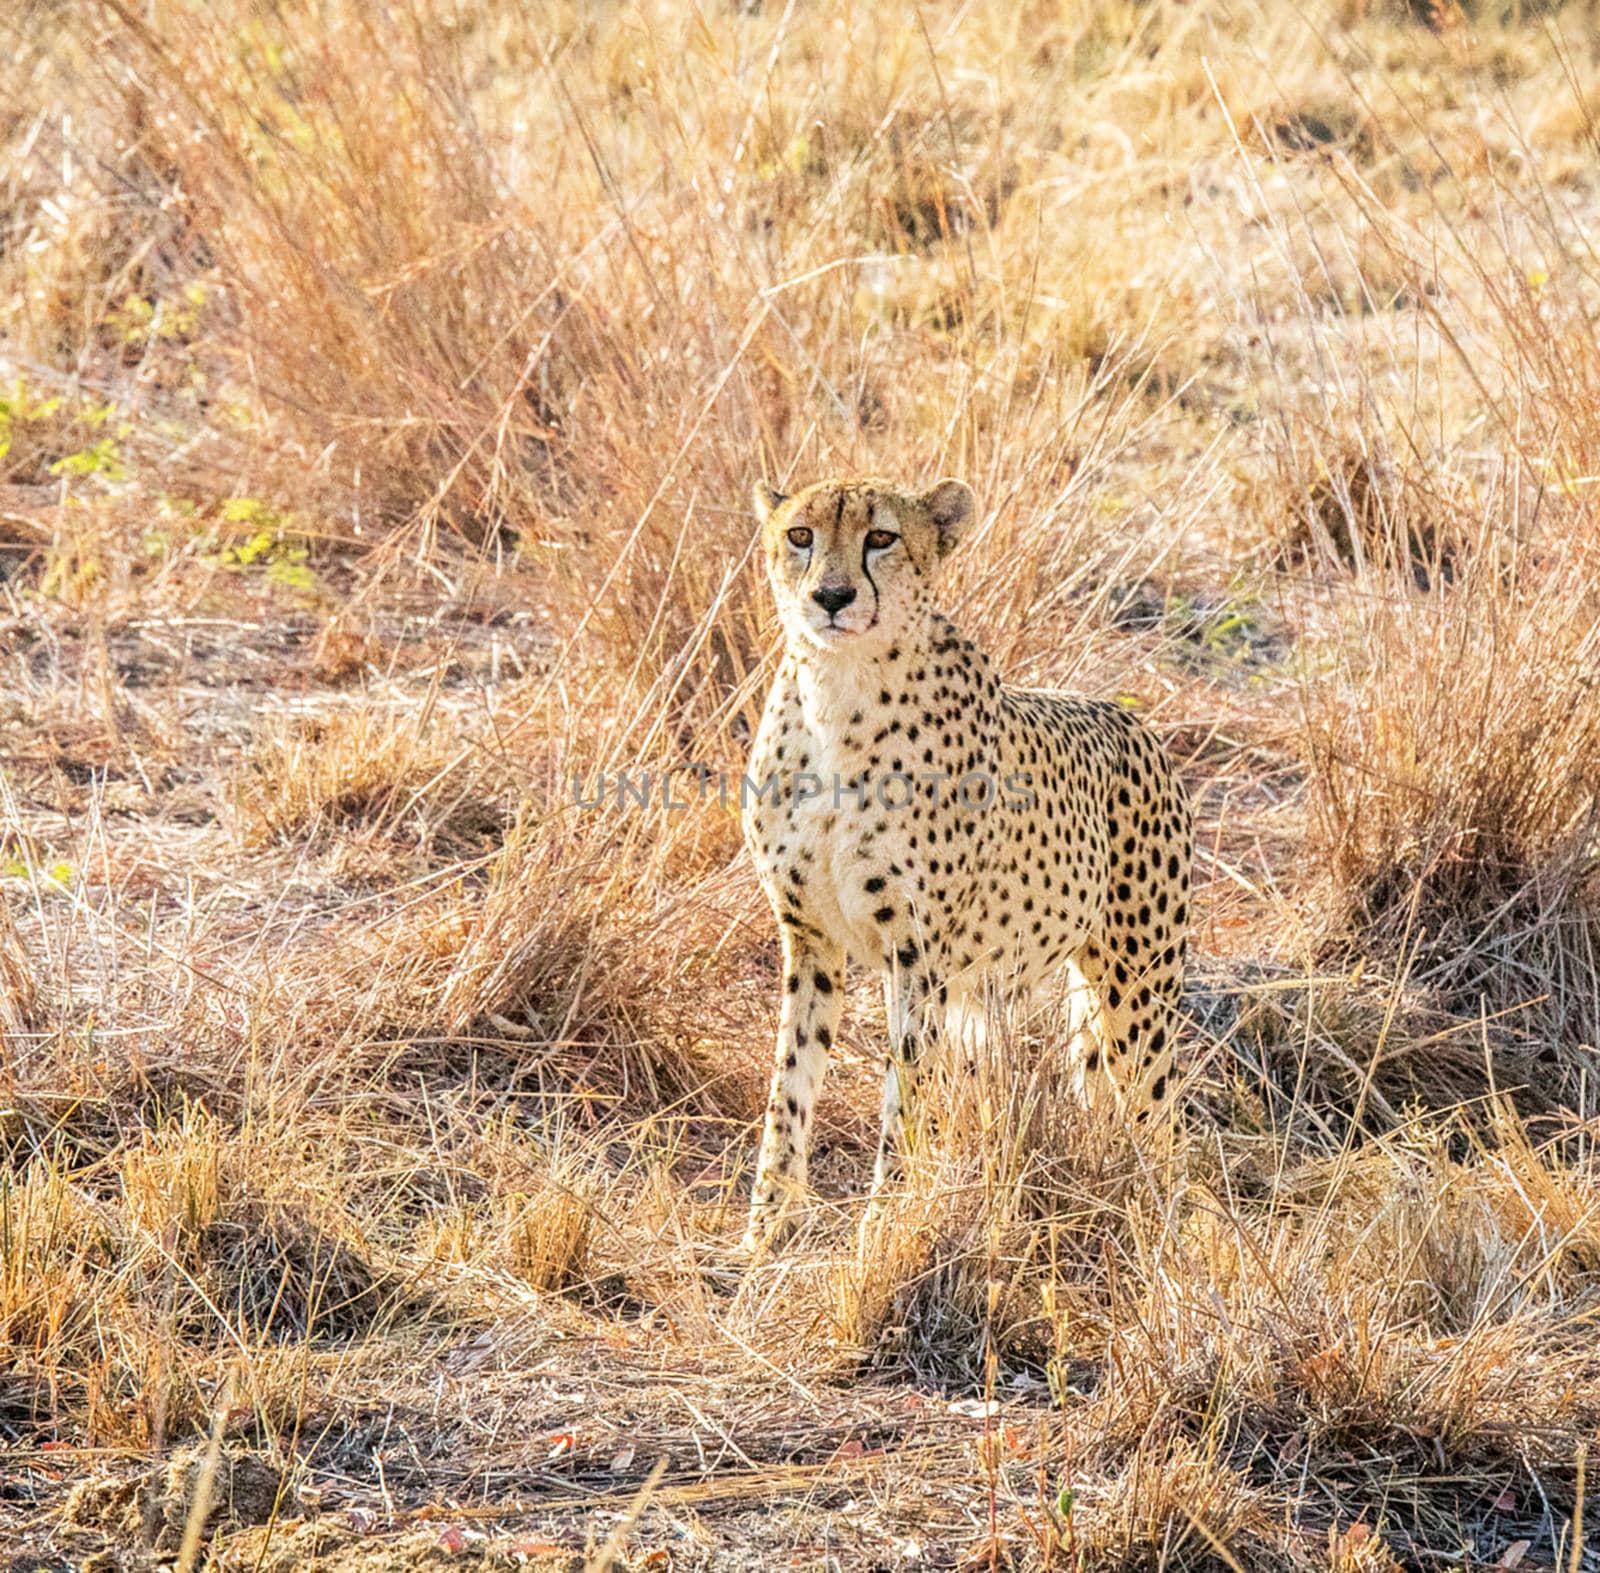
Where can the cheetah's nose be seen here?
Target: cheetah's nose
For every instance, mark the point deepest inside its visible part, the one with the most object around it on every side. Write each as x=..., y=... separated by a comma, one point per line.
x=834, y=598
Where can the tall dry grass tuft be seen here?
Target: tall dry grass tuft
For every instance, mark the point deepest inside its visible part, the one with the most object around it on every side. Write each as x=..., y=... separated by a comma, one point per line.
x=541, y=1210
x=54, y=1245
x=388, y=289
x=362, y=773
x=16, y=984
x=1011, y=1197
x=586, y=952
x=1456, y=754
x=1445, y=589
x=254, y=1250
x=1403, y=1293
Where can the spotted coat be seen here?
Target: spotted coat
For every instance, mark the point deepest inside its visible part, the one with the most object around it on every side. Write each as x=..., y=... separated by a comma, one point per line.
x=908, y=810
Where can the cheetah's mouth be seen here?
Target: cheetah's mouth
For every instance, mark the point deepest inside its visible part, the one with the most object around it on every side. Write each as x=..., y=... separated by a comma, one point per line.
x=833, y=632
x=829, y=635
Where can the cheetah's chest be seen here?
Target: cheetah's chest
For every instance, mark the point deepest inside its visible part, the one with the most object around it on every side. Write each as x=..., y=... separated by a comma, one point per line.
x=846, y=843
x=866, y=821
x=835, y=827
x=826, y=842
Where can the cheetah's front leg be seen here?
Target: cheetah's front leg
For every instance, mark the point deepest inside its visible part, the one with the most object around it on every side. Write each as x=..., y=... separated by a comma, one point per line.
x=813, y=987
x=911, y=1006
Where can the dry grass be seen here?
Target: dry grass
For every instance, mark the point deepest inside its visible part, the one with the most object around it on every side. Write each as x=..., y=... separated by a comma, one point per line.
x=379, y=391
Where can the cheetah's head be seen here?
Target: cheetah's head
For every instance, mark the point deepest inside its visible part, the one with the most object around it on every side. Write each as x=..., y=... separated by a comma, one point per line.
x=853, y=563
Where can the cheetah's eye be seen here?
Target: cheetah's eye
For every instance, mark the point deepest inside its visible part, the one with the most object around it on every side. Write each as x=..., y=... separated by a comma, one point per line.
x=800, y=536
x=880, y=540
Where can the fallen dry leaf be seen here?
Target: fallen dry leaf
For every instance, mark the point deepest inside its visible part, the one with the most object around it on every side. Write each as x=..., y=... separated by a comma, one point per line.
x=975, y=1408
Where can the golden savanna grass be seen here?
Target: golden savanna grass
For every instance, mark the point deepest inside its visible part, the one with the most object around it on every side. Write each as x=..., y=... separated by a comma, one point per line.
x=380, y=388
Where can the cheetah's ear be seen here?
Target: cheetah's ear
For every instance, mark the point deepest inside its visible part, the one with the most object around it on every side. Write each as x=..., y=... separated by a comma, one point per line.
x=949, y=505
x=766, y=498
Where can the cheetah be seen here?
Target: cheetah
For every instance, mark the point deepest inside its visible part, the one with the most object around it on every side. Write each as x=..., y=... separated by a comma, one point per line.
x=907, y=809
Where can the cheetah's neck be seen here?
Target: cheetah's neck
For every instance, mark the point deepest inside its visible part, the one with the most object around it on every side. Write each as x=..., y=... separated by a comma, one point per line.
x=839, y=688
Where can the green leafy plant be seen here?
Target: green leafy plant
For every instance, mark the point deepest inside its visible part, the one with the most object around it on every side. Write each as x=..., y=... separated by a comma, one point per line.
x=138, y=319
x=270, y=546
x=99, y=458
